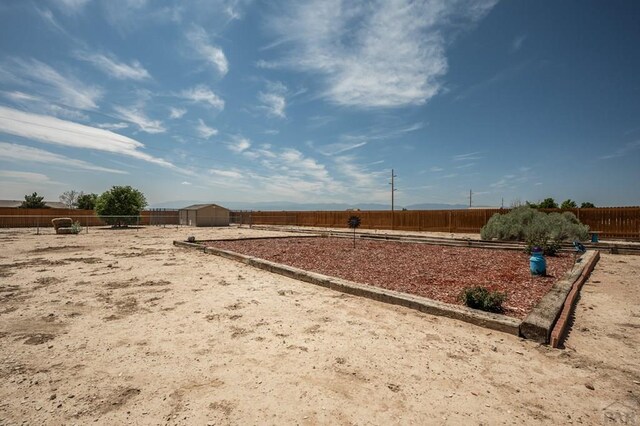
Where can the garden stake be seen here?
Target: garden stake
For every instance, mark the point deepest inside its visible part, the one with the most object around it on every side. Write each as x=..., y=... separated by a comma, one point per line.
x=353, y=223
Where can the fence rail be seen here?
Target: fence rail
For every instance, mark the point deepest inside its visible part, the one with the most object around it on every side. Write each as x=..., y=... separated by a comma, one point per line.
x=611, y=222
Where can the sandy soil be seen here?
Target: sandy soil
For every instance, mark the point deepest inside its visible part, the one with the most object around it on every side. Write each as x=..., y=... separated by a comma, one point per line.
x=121, y=327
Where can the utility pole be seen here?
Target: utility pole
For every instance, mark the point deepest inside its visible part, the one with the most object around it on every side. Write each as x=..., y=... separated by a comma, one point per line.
x=470, y=194
x=393, y=189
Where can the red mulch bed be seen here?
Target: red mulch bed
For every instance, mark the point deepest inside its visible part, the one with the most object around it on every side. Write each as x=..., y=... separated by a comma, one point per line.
x=436, y=272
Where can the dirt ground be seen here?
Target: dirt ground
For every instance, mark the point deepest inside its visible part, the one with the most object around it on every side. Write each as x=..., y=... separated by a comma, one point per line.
x=121, y=327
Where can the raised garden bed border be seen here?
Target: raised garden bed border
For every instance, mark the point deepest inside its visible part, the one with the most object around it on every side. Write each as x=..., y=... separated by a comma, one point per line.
x=537, y=326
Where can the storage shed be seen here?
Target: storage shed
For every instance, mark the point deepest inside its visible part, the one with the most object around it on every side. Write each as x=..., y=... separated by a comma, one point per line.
x=204, y=215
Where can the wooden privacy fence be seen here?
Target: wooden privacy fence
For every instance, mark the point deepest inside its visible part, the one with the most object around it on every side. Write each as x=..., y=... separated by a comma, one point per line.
x=31, y=218
x=612, y=222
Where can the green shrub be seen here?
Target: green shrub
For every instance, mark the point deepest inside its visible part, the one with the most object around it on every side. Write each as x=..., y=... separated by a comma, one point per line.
x=483, y=299
x=76, y=228
x=535, y=228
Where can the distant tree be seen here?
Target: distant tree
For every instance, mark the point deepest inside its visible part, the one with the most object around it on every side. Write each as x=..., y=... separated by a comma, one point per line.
x=548, y=203
x=587, y=205
x=569, y=204
x=530, y=204
x=120, y=206
x=87, y=201
x=33, y=201
x=70, y=198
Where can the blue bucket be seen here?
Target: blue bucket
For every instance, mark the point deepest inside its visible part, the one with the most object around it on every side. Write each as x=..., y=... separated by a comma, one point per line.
x=537, y=263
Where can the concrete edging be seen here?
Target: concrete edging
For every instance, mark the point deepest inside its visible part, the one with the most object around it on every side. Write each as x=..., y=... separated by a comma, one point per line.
x=540, y=322
x=484, y=319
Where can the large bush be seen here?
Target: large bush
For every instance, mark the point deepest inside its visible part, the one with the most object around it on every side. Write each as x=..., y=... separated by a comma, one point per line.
x=120, y=206
x=535, y=228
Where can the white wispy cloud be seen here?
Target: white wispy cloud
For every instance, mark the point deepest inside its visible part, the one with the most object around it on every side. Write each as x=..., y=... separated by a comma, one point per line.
x=340, y=147
x=34, y=178
x=175, y=113
x=471, y=156
x=288, y=172
x=112, y=67
x=465, y=166
x=436, y=169
x=226, y=173
x=67, y=133
x=357, y=175
x=238, y=144
x=267, y=65
x=70, y=7
x=18, y=96
x=497, y=79
x=48, y=17
x=113, y=126
x=502, y=183
x=273, y=99
x=511, y=181
x=40, y=105
x=130, y=15
x=412, y=127
x=381, y=54
x=15, y=152
x=136, y=115
x=273, y=103
x=205, y=131
x=517, y=43
x=624, y=150
x=199, y=41
x=186, y=183
x=316, y=121
x=381, y=133
x=202, y=94
x=48, y=82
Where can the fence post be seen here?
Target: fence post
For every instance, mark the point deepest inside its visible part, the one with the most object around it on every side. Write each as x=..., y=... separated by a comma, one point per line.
x=38, y=225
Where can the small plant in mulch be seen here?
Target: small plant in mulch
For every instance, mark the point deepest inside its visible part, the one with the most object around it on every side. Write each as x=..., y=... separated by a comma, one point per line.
x=483, y=299
x=353, y=223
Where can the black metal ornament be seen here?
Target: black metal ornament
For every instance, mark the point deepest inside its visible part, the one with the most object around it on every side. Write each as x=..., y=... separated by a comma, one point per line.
x=353, y=223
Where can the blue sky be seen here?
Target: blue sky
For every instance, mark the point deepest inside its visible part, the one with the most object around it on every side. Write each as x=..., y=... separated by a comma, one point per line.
x=317, y=101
